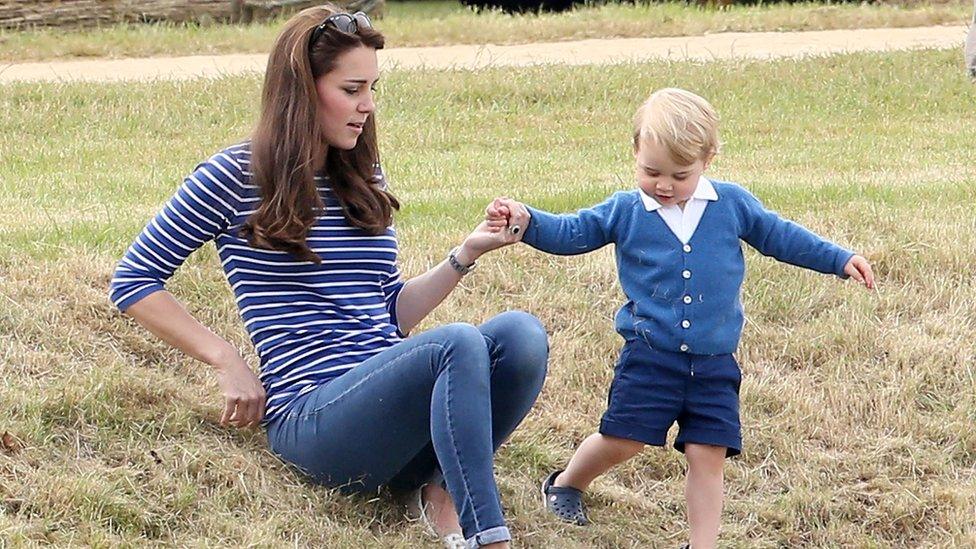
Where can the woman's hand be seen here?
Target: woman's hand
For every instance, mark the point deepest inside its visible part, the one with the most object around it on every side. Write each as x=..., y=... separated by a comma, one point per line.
x=505, y=221
x=244, y=396
x=484, y=238
x=859, y=269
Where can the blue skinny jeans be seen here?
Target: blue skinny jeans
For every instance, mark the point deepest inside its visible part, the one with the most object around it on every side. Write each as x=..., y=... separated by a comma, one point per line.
x=438, y=403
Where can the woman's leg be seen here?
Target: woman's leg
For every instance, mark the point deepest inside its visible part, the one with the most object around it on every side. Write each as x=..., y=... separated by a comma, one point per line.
x=362, y=428
x=518, y=349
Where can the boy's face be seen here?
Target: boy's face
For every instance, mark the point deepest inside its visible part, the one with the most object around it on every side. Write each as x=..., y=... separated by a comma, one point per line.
x=660, y=177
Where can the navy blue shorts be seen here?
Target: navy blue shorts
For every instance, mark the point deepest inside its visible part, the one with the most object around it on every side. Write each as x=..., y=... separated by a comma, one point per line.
x=652, y=389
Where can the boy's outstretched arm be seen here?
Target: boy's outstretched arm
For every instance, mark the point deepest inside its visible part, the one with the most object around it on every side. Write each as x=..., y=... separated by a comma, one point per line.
x=792, y=243
x=567, y=234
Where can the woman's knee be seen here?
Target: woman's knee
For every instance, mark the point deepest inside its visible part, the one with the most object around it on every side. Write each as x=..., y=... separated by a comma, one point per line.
x=522, y=337
x=463, y=338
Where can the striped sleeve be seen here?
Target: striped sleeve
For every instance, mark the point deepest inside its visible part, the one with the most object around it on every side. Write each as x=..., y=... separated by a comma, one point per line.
x=393, y=283
x=203, y=206
x=391, y=291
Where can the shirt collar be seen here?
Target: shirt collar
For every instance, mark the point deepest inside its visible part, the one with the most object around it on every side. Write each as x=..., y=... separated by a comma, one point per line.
x=704, y=191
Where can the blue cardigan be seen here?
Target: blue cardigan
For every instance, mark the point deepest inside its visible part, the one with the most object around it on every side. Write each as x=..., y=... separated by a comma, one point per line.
x=684, y=297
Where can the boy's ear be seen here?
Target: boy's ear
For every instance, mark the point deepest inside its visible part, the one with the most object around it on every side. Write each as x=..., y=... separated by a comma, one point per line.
x=708, y=161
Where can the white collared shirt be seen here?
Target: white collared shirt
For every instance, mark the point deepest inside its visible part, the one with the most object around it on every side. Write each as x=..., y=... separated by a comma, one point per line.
x=683, y=222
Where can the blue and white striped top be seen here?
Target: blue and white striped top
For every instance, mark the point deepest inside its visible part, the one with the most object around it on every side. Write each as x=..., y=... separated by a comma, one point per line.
x=309, y=323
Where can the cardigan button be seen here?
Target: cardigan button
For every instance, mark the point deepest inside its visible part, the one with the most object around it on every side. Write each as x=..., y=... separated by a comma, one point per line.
x=684, y=348
x=686, y=274
x=687, y=299
x=686, y=324
x=686, y=248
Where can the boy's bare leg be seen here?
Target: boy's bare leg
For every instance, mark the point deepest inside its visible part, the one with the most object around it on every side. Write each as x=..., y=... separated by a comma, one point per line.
x=595, y=456
x=704, y=492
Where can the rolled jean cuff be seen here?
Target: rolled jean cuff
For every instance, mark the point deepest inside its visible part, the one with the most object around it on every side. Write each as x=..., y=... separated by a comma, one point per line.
x=491, y=535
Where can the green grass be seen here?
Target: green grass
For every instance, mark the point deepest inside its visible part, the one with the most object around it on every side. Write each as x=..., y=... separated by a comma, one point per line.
x=857, y=408
x=440, y=22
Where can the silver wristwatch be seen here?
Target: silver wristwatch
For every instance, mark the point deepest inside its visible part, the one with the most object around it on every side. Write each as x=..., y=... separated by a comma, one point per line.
x=456, y=265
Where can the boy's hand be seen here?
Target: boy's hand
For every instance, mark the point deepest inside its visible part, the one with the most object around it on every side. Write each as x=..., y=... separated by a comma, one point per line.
x=859, y=269
x=496, y=215
x=508, y=214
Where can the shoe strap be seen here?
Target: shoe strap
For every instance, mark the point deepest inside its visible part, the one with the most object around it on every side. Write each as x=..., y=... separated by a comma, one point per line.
x=563, y=490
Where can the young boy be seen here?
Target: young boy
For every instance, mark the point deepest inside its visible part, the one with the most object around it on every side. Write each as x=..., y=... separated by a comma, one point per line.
x=681, y=267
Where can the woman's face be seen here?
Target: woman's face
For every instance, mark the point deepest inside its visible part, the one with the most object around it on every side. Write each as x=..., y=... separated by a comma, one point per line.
x=346, y=96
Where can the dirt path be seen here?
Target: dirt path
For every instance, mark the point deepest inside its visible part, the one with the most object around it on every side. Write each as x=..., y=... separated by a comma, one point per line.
x=754, y=45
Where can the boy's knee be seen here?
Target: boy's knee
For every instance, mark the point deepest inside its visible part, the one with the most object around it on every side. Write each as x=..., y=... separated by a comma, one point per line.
x=622, y=448
x=705, y=457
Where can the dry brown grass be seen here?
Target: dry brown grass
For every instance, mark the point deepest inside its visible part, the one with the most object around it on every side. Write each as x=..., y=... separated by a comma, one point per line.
x=858, y=408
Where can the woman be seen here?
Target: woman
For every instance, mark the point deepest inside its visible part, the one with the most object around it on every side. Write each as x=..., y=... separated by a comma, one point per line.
x=302, y=220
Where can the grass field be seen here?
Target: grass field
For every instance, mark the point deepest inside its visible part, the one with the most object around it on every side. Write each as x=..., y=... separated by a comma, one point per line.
x=858, y=409
x=440, y=22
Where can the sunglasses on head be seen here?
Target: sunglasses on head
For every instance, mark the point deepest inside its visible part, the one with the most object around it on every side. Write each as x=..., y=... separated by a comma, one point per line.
x=349, y=23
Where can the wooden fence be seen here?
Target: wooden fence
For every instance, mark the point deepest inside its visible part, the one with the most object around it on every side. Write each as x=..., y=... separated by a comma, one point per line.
x=15, y=14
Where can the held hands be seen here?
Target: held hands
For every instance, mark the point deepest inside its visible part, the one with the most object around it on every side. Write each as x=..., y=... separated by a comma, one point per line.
x=507, y=215
x=859, y=269
x=244, y=396
x=505, y=220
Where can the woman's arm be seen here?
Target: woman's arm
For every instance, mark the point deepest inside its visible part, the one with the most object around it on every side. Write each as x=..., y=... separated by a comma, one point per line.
x=201, y=208
x=244, y=396
x=421, y=294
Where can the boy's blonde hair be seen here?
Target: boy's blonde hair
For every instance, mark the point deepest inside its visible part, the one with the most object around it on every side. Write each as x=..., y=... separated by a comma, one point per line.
x=684, y=123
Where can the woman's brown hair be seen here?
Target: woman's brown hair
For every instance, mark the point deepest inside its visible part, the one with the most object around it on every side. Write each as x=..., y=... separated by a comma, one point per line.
x=287, y=143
